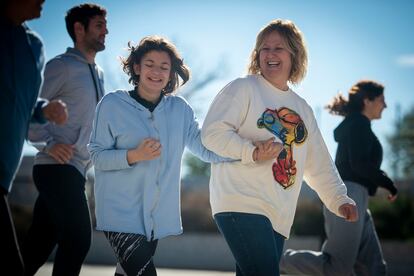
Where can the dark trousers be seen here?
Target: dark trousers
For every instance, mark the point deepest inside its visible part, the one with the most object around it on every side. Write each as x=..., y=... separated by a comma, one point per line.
x=60, y=218
x=256, y=247
x=11, y=262
x=133, y=252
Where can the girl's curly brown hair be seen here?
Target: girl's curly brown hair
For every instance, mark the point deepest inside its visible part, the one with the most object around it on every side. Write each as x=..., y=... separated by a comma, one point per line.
x=156, y=43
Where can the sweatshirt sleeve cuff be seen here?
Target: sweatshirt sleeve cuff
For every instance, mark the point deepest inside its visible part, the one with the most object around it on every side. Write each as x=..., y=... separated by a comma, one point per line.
x=393, y=190
x=341, y=202
x=38, y=115
x=48, y=146
x=247, y=153
x=122, y=159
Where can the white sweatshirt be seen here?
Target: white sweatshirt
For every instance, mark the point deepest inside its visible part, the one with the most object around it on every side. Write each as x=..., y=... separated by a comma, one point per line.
x=251, y=109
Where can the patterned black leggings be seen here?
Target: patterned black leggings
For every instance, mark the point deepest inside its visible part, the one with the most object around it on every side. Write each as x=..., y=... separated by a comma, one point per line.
x=133, y=252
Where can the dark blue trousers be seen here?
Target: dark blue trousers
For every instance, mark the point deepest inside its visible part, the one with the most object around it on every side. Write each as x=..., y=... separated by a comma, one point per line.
x=11, y=262
x=256, y=247
x=60, y=218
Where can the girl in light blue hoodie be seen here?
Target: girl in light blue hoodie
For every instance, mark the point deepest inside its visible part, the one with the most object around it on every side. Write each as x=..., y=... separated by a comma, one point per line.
x=136, y=146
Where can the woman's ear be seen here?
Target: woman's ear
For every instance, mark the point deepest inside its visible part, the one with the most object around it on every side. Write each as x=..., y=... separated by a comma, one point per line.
x=367, y=105
x=366, y=102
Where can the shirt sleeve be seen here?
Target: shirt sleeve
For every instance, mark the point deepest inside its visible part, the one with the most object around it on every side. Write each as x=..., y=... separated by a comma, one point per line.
x=225, y=116
x=194, y=144
x=54, y=78
x=38, y=116
x=38, y=134
x=101, y=146
x=320, y=172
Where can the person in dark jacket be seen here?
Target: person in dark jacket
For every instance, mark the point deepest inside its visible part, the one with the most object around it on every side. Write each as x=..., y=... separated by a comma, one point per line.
x=21, y=65
x=61, y=216
x=352, y=247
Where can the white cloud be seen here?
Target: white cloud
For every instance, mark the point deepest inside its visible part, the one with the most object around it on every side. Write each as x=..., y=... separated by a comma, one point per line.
x=406, y=60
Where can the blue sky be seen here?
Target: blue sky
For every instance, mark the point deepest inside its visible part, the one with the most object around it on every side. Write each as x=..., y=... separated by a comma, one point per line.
x=347, y=41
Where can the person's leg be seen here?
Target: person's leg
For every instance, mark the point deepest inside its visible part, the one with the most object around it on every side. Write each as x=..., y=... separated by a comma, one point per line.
x=256, y=247
x=11, y=262
x=306, y=261
x=62, y=207
x=133, y=252
x=370, y=260
x=73, y=221
x=41, y=238
x=344, y=238
x=279, y=239
x=340, y=249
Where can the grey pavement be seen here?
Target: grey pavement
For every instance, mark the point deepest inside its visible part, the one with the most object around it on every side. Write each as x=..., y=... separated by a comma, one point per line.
x=100, y=270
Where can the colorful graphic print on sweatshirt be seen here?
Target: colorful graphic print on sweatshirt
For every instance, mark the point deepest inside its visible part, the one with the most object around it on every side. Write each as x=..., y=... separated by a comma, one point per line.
x=287, y=125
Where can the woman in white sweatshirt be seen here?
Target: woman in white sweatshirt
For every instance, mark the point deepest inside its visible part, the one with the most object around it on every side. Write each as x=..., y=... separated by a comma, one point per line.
x=254, y=202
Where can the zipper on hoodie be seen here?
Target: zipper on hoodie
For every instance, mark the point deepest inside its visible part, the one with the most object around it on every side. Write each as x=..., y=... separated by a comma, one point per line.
x=151, y=118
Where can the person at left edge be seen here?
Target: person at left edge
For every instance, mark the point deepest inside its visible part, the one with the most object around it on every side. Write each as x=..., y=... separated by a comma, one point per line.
x=61, y=215
x=21, y=65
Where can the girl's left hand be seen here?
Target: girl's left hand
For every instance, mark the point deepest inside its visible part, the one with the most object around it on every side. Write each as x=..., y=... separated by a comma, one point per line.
x=266, y=150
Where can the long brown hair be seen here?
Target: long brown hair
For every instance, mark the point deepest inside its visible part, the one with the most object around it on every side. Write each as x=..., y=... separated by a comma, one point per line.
x=364, y=89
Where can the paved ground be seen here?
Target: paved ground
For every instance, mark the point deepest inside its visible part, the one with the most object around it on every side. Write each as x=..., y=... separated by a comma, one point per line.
x=92, y=270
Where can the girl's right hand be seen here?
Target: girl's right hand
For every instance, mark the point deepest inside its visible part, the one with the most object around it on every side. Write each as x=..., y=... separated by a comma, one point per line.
x=148, y=149
x=266, y=150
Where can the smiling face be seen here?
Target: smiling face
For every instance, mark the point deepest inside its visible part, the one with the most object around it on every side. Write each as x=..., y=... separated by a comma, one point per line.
x=95, y=33
x=154, y=72
x=275, y=60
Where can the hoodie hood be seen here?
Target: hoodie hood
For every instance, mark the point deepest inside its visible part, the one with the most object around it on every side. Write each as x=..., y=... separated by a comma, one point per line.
x=76, y=54
x=124, y=96
x=348, y=125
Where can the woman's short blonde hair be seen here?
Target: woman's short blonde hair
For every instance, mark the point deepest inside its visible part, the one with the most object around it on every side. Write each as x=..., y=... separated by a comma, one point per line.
x=295, y=44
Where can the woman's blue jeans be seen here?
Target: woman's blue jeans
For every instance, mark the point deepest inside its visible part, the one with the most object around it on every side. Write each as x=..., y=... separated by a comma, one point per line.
x=256, y=247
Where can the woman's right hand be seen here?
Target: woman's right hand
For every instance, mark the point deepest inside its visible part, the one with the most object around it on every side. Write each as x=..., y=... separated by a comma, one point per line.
x=392, y=197
x=148, y=149
x=349, y=212
x=266, y=150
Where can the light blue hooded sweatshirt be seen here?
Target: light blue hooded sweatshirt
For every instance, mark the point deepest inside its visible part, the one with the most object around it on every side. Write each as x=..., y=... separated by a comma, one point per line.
x=143, y=198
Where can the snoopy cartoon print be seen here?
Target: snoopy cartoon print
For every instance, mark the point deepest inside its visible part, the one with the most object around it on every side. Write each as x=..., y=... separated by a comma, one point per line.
x=288, y=126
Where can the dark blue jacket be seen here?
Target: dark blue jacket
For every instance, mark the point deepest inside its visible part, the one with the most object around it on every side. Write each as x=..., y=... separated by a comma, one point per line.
x=21, y=65
x=359, y=154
